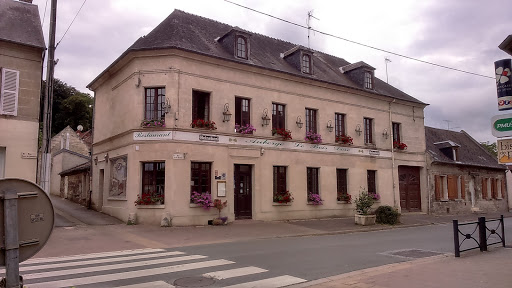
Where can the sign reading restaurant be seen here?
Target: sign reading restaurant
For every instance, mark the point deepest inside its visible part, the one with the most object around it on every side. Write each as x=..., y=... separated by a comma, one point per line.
x=264, y=143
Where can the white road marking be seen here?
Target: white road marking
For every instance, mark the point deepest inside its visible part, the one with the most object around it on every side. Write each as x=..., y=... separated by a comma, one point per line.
x=128, y=275
x=225, y=274
x=109, y=267
x=156, y=284
x=275, y=282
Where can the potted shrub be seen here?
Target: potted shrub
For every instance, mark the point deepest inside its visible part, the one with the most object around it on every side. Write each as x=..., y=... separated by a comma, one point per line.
x=247, y=129
x=283, y=198
x=219, y=205
x=152, y=123
x=347, y=198
x=313, y=137
x=363, y=205
x=315, y=199
x=203, y=199
x=284, y=133
x=344, y=139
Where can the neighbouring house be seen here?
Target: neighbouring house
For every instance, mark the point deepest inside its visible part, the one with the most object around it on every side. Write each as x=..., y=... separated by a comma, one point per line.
x=70, y=159
x=463, y=176
x=201, y=106
x=21, y=64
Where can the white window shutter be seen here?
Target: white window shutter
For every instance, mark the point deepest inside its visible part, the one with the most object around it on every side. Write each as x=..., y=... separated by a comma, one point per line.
x=9, y=92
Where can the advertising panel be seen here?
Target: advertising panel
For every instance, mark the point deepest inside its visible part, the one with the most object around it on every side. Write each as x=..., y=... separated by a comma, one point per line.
x=501, y=125
x=504, y=83
x=505, y=151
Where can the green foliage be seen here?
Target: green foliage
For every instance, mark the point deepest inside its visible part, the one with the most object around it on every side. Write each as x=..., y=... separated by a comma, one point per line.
x=387, y=215
x=364, y=202
x=491, y=148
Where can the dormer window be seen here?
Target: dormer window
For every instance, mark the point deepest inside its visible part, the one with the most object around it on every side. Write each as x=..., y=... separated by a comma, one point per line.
x=241, y=47
x=306, y=64
x=368, y=81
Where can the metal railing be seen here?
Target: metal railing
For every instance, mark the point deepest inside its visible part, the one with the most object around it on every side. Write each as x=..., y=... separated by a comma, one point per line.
x=484, y=234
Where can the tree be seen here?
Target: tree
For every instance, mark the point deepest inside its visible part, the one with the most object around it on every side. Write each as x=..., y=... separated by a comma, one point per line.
x=70, y=107
x=491, y=148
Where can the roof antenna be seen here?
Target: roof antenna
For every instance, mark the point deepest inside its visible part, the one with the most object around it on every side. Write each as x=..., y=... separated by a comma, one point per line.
x=310, y=15
x=386, y=60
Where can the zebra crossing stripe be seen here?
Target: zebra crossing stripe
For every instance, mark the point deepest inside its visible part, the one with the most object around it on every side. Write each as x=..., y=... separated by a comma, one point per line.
x=99, y=261
x=128, y=275
x=89, y=256
x=275, y=282
x=156, y=284
x=225, y=274
x=109, y=267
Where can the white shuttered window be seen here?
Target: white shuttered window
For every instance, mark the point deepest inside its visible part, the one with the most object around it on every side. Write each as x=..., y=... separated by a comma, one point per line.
x=9, y=92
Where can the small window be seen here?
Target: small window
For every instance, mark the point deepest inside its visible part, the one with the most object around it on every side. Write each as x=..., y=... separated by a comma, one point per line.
x=340, y=124
x=368, y=130
x=200, y=179
x=9, y=86
x=368, y=81
x=279, y=182
x=200, y=105
x=372, y=187
x=242, y=112
x=241, y=47
x=155, y=99
x=311, y=120
x=312, y=179
x=278, y=116
x=396, y=133
x=153, y=180
x=306, y=64
x=341, y=181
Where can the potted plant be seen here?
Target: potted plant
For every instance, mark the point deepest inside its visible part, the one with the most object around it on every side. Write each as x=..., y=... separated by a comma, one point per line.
x=219, y=205
x=284, y=133
x=283, y=198
x=344, y=139
x=247, y=129
x=399, y=146
x=203, y=199
x=152, y=123
x=347, y=198
x=363, y=205
x=315, y=199
x=313, y=137
x=205, y=124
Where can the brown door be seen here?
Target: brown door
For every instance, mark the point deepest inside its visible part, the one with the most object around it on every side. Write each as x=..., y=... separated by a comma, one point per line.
x=243, y=192
x=410, y=194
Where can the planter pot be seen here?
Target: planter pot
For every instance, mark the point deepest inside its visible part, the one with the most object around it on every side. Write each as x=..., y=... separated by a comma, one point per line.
x=220, y=221
x=365, y=220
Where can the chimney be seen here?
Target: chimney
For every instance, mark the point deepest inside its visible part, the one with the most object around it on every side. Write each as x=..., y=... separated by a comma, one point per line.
x=26, y=1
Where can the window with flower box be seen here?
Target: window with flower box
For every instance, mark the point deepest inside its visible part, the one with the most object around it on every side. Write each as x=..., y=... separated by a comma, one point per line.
x=342, y=187
x=154, y=101
x=396, y=133
x=339, y=123
x=368, y=130
x=279, y=182
x=278, y=116
x=200, y=105
x=311, y=120
x=153, y=183
x=312, y=180
x=243, y=115
x=200, y=177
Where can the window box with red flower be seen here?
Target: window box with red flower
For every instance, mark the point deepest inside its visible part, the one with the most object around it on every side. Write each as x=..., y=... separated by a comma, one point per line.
x=344, y=198
x=205, y=124
x=283, y=198
x=284, y=133
x=344, y=139
x=399, y=146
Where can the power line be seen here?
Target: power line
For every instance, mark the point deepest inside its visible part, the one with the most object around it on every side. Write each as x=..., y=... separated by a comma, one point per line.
x=71, y=24
x=361, y=44
x=44, y=14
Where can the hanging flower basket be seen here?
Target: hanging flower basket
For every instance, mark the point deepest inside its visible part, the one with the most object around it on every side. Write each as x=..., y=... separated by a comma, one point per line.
x=344, y=139
x=285, y=134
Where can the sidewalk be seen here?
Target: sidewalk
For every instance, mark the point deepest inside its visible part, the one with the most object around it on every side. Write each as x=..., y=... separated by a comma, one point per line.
x=473, y=270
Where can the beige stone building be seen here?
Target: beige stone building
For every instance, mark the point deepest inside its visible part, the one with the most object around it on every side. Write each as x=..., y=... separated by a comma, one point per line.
x=21, y=63
x=190, y=71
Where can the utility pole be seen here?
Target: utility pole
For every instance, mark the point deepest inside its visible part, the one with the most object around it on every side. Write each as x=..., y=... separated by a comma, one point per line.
x=46, y=157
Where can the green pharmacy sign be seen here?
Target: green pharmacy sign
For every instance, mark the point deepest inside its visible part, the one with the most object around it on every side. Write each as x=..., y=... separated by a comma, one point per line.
x=502, y=125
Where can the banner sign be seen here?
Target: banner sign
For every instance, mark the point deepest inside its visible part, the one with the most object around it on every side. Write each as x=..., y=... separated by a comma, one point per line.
x=502, y=125
x=504, y=83
x=505, y=151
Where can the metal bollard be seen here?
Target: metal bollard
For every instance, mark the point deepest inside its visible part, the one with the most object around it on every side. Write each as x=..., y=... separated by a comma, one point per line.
x=456, y=237
x=482, y=233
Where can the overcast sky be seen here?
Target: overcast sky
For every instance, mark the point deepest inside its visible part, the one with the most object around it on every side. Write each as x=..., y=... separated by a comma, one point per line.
x=463, y=34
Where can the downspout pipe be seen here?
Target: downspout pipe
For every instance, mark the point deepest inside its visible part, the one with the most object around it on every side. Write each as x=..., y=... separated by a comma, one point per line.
x=392, y=156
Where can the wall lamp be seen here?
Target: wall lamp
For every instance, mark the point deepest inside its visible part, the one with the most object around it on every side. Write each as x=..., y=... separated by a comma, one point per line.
x=166, y=106
x=226, y=114
x=106, y=158
x=299, y=122
x=96, y=160
x=385, y=133
x=358, y=129
x=329, y=126
x=265, y=119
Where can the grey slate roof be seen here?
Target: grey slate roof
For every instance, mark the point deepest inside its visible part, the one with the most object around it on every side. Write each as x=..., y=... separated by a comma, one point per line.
x=197, y=34
x=79, y=168
x=20, y=23
x=470, y=151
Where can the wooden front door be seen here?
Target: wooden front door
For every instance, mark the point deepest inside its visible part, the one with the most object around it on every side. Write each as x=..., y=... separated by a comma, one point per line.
x=410, y=193
x=243, y=192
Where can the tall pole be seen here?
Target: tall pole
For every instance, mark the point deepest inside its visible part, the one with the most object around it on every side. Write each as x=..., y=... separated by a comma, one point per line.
x=386, y=60
x=48, y=100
